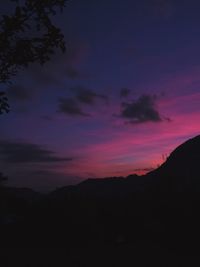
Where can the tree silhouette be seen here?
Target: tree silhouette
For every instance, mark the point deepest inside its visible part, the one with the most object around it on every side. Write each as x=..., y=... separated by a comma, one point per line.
x=27, y=36
x=4, y=106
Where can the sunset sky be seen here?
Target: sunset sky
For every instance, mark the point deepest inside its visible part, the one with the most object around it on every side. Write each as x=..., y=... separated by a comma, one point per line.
x=122, y=97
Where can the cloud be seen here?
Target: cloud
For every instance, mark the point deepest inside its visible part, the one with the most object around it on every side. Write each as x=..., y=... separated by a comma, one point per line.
x=73, y=106
x=142, y=110
x=19, y=93
x=69, y=106
x=87, y=96
x=21, y=152
x=124, y=92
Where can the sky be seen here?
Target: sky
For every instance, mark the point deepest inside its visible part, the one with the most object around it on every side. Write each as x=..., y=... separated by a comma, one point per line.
x=122, y=97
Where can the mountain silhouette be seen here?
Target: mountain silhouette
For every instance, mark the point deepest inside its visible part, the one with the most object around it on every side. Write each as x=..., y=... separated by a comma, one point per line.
x=125, y=214
x=179, y=172
x=181, y=169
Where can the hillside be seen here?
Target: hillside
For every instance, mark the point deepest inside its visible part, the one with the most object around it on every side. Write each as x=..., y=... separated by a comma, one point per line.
x=158, y=210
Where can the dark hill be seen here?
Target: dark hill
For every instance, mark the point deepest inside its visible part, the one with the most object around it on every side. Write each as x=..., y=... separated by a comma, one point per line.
x=106, y=188
x=160, y=208
x=181, y=170
x=183, y=161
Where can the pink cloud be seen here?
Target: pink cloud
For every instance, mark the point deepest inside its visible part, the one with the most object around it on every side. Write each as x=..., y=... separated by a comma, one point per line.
x=118, y=149
x=140, y=146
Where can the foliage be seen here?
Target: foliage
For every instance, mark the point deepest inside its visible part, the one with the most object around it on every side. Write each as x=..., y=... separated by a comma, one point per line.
x=4, y=106
x=26, y=36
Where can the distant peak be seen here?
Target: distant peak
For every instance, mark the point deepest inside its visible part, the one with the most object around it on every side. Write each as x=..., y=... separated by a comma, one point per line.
x=183, y=161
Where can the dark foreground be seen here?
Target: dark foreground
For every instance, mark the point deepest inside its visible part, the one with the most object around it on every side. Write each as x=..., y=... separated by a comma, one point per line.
x=142, y=229
x=145, y=254
x=151, y=220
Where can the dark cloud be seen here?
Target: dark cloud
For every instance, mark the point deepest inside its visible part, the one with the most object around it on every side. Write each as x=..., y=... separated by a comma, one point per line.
x=142, y=110
x=20, y=152
x=87, y=96
x=19, y=93
x=124, y=92
x=82, y=96
x=70, y=107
